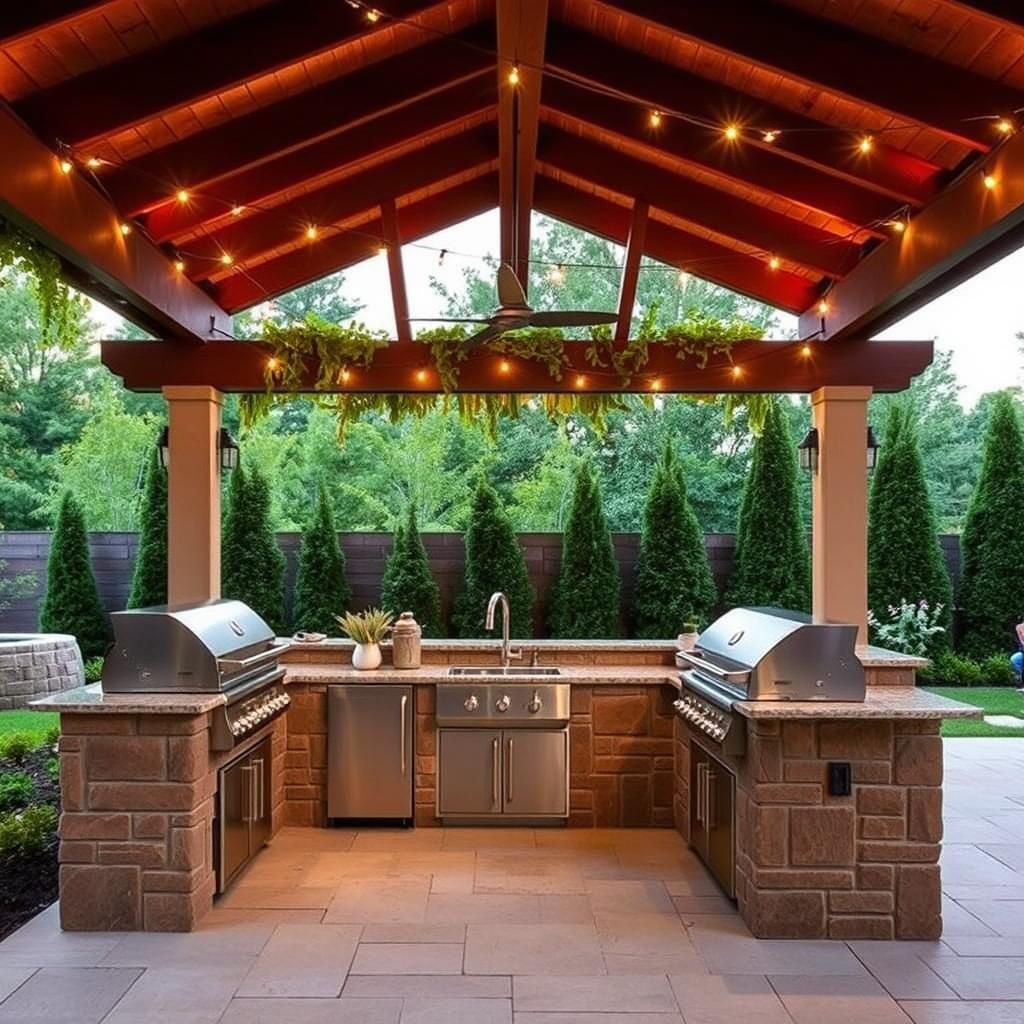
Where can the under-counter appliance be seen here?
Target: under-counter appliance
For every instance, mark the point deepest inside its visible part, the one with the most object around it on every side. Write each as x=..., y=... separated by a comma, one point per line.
x=212, y=647
x=712, y=816
x=242, y=827
x=503, y=752
x=370, y=758
x=751, y=654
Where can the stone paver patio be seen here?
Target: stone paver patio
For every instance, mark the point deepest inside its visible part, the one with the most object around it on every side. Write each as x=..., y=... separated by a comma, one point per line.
x=476, y=926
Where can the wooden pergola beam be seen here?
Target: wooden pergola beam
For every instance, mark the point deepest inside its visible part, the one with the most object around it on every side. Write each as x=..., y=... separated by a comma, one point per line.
x=822, y=54
x=1004, y=13
x=631, y=268
x=968, y=227
x=406, y=368
x=396, y=272
x=199, y=65
x=521, y=26
x=19, y=21
x=70, y=217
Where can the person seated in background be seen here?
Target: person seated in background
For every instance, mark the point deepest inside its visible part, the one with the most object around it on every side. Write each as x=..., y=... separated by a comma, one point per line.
x=1017, y=658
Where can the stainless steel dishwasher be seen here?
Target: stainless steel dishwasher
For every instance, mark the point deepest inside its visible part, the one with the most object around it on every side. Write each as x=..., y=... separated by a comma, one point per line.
x=370, y=765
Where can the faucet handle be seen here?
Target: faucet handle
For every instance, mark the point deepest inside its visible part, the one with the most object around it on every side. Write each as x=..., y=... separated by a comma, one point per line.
x=515, y=653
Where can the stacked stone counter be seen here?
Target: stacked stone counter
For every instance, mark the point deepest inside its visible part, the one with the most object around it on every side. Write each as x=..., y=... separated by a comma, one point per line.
x=33, y=665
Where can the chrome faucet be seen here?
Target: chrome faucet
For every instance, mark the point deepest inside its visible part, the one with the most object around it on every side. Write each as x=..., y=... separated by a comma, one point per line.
x=507, y=654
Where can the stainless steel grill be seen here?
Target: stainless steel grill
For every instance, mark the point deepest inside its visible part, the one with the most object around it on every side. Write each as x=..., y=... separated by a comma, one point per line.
x=764, y=654
x=213, y=647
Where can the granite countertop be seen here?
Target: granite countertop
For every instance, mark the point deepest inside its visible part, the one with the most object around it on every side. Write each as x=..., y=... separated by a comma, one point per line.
x=578, y=675
x=879, y=657
x=92, y=700
x=880, y=702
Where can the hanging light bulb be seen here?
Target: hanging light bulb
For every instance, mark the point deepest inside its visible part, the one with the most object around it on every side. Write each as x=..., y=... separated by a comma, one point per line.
x=421, y=376
x=1005, y=126
x=990, y=180
x=504, y=366
x=866, y=144
x=125, y=228
x=774, y=263
x=581, y=381
x=683, y=278
x=236, y=210
x=655, y=119
x=182, y=195
x=513, y=75
x=770, y=136
x=93, y=162
x=732, y=132
x=737, y=372
x=372, y=16
x=227, y=259
x=823, y=307
x=805, y=351
x=345, y=376
x=382, y=249
x=66, y=166
x=273, y=363
x=556, y=275
x=898, y=224
x=656, y=384
x=179, y=266
x=312, y=232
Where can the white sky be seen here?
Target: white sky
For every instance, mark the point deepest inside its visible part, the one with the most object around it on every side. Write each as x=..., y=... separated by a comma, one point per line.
x=977, y=321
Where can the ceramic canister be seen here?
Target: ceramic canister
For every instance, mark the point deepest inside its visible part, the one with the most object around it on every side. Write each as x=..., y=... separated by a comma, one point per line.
x=405, y=642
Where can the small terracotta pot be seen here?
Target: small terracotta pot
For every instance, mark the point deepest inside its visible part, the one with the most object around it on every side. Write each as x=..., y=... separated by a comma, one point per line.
x=366, y=657
x=687, y=641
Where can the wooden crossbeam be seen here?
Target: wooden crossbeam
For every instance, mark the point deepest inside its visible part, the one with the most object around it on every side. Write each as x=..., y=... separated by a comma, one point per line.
x=522, y=26
x=825, y=55
x=18, y=21
x=69, y=216
x=964, y=230
x=1004, y=13
x=631, y=268
x=396, y=272
x=406, y=368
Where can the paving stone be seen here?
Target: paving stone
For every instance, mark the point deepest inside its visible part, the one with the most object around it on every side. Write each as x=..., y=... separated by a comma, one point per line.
x=427, y=986
x=728, y=999
x=313, y=1011
x=633, y=994
x=533, y=949
x=811, y=1000
x=303, y=960
x=457, y=1011
x=195, y=995
x=67, y=995
x=408, y=958
x=964, y=1012
x=983, y=977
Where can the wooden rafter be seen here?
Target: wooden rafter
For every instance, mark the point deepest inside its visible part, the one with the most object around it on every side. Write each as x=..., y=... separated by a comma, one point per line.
x=821, y=54
x=727, y=215
x=631, y=268
x=752, y=277
x=522, y=25
x=69, y=216
x=396, y=272
x=965, y=229
x=290, y=271
x=1004, y=13
x=405, y=367
x=196, y=66
x=19, y=21
x=283, y=129
x=803, y=141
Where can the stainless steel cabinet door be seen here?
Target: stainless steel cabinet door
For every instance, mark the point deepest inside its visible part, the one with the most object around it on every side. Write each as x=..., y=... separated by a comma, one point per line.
x=697, y=794
x=719, y=802
x=469, y=762
x=369, y=751
x=536, y=762
x=260, y=778
x=235, y=813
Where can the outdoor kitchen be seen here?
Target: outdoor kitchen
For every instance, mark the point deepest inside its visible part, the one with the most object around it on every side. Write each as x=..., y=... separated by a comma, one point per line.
x=804, y=771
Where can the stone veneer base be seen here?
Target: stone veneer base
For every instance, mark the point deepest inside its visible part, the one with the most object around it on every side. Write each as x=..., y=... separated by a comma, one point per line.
x=34, y=665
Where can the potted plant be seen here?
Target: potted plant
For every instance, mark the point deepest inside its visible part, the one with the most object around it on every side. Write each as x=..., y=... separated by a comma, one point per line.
x=367, y=629
x=687, y=640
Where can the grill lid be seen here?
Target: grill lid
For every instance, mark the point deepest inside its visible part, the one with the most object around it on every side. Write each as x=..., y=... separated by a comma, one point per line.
x=744, y=636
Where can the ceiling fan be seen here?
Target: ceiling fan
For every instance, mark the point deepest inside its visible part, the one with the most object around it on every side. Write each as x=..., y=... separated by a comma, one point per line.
x=514, y=312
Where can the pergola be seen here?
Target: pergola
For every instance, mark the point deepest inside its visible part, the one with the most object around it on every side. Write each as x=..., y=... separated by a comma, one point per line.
x=843, y=162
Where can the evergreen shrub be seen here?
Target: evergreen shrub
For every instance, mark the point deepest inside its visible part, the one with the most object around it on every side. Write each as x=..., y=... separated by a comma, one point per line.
x=321, y=589
x=494, y=561
x=674, y=584
x=585, y=597
x=772, y=565
x=408, y=584
x=72, y=603
x=149, y=580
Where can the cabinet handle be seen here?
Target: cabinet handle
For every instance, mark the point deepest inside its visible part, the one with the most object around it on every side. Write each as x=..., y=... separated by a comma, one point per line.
x=405, y=700
x=508, y=769
x=700, y=793
x=495, y=796
x=248, y=803
x=709, y=778
x=257, y=782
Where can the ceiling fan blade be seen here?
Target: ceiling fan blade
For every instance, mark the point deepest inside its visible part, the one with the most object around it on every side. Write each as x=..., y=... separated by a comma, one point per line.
x=489, y=333
x=571, y=318
x=510, y=291
x=449, y=320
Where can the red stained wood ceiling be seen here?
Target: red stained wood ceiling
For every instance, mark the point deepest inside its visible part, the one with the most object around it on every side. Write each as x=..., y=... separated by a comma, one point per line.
x=274, y=115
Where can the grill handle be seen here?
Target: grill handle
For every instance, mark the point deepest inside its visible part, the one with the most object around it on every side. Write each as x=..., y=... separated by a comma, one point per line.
x=271, y=653
x=737, y=676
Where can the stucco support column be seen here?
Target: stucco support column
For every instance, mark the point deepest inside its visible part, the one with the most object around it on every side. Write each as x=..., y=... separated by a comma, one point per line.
x=840, y=507
x=193, y=494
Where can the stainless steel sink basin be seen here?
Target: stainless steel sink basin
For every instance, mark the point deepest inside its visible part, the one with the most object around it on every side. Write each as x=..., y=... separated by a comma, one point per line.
x=496, y=670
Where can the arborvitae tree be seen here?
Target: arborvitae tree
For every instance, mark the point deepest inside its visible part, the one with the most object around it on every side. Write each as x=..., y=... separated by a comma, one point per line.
x=674, y=583
x=321, y=590
x=149, y=581
x=991, y=597
x=494, y=561
x=905, y=561
x=773, y=565
x=253, y=563
x=408, y=584
x=585, y=597
x=72, y=604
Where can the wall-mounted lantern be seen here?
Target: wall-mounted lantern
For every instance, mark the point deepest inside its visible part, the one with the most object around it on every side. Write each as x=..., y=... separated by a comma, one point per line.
x=227, y=449
x=809, y=452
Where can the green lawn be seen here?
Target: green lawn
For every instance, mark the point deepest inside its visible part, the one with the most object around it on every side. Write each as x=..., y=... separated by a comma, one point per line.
x=37, y=722
x=994, y=700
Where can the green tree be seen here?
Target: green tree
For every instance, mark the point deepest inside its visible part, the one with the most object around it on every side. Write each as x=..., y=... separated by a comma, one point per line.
x=772, y=561
x=991, y=599
x=408, y=583
x=494, y=561
x=673, y=578
x=585, y=597
x=905, y=561
x=149, y=580
x=72, y=603
x=321, y=589
x=253, y=564
x=324, y=298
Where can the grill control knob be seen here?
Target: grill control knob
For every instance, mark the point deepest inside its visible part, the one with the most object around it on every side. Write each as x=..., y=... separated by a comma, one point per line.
x=678, y=705
x=504, y=703
x=471, y=703
x=534, y=704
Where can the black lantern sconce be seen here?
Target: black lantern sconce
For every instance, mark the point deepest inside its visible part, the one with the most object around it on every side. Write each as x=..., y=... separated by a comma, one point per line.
x=809, y=451
x=227, y=449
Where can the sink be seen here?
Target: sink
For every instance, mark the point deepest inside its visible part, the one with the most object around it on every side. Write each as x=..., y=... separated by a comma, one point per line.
x=496, y=670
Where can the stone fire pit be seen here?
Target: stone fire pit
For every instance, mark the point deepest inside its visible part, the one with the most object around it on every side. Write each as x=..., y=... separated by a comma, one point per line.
x=36, y=664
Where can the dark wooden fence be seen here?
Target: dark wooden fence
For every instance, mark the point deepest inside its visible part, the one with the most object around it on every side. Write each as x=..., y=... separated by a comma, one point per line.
x=113, y=555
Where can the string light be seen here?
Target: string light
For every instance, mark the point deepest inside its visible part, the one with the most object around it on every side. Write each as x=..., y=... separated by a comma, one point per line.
x=421, y=376
x=770, y=136
x=655, y=119
x=823, y=307
x=732, y=132
x=372, y=15
x=66, y=166
x=227, y=259
x=345, y=376
x=805, y=351
x=513, y=75
x=382, y=249
x=93, y=162
x=312, y=232
x=581, y=381
x=898, y=224
x=866, y=144
x=556, y=275
x=656, y=384
x=1005, y=126
x=273, y=363
x=683, y=278
x=182, y=195
x=179, y=266
x=737, y=372
x=125, y=228
x=774, y=263
x=504, y=366
x=990, y=180
x=236, y=210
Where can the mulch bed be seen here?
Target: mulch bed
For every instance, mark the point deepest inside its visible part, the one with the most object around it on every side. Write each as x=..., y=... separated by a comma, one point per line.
x=29, y=884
